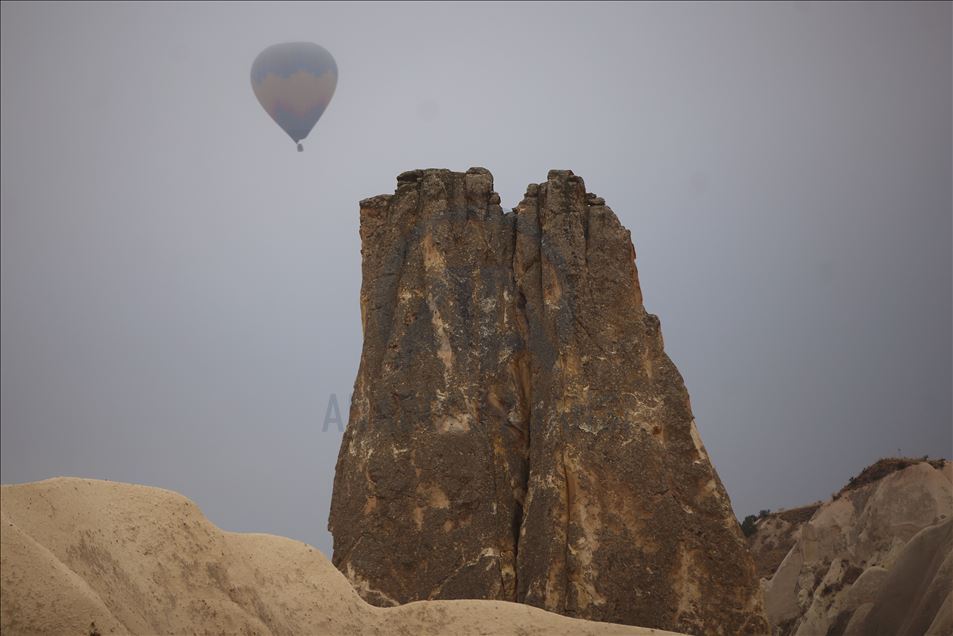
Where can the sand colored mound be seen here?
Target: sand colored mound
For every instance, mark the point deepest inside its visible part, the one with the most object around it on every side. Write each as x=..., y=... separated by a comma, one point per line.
x=916, y=596
x=775, y=535
x=82, y=556
x=871, y=561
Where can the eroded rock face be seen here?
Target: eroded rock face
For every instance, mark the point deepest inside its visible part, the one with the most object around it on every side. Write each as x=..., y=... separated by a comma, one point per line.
x=874, y=560
x=517, y=431
x=775, y=535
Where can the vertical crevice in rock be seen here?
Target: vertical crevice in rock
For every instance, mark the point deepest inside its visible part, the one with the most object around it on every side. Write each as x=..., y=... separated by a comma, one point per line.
x=522, y=381
x=518, y=432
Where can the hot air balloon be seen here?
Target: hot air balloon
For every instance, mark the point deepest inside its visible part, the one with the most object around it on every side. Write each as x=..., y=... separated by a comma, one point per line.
x=294, y=82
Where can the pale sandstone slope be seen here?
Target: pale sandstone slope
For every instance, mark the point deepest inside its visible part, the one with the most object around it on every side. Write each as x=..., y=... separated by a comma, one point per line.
x=134, y=559
x=874, y=560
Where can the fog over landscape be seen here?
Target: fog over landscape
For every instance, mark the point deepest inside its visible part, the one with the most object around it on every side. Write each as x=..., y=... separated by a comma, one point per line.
x=180, y=287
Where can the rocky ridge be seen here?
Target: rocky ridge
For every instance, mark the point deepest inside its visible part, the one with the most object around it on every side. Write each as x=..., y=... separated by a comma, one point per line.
x=775, y=535
x=517, y=431
x=875, y=559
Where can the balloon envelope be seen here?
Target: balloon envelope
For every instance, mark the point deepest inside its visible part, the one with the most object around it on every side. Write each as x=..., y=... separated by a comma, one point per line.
x=294, y=83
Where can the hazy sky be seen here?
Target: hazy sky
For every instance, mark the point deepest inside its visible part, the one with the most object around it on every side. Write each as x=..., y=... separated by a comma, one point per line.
x=180, y=286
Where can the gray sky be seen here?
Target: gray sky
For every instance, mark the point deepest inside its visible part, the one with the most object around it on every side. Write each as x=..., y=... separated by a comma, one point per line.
x=180, y=286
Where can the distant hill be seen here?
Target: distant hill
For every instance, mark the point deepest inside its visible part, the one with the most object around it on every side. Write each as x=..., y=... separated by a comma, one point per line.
x=877, y=558
x=883, y=467
x=775, y=535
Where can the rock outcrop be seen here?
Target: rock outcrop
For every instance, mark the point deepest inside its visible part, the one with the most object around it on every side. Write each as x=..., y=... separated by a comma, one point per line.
x=517, y=431
x=776, y=533
x=83, y=556
x=874, y=560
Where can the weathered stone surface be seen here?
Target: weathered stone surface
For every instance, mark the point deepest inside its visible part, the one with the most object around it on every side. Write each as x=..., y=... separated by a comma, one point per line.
x=874, y=560
x=917, y=593
x=775, y=535
x=517, y=431
x=432, y=470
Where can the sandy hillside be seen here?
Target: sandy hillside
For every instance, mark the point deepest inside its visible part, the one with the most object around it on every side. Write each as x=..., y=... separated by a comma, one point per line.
x=82, y=556
x=776, y=534
x=874, y=560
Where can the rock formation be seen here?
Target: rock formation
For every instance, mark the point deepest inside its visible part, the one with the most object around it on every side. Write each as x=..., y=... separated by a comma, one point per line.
x=82, y=556
x=517, y=431
x=876, y=559
x=776, y=533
